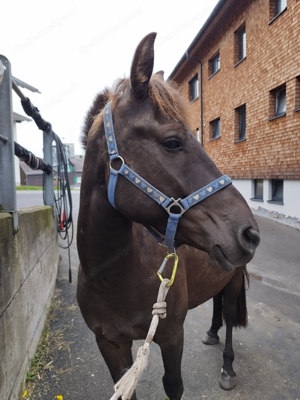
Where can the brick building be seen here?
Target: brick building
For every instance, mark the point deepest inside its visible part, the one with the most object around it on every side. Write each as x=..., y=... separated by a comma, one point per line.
x=241, y=75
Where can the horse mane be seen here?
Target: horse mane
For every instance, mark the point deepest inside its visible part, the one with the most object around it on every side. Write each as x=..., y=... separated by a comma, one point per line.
x=164, y=96
x=98, y=104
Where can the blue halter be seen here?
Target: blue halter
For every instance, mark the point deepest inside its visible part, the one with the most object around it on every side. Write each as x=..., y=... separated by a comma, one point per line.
x=168, y=203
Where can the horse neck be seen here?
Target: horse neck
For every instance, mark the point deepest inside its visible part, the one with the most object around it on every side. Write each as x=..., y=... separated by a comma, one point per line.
x=110, y=234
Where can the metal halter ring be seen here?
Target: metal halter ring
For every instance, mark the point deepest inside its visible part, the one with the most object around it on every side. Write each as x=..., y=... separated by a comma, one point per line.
x=117, y=158
x=175, y=207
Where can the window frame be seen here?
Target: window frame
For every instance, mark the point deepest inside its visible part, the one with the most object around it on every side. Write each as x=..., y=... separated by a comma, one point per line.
x=276, y=185
x=214, y=64
x=256, y=190
x=215, y=129
x=297, y=93
x=240, y=44
x=276, y=7
x=240, y=124
x=193, y=88
x=275, y=100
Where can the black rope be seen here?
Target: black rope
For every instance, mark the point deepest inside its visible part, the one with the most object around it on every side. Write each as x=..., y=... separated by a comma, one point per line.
x=34, y=112
x=62, y=190
x=62, y=193
x=63, y=199
x=30, y=159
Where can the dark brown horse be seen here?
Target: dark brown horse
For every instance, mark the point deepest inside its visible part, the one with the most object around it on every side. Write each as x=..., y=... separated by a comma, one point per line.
x=143, y=167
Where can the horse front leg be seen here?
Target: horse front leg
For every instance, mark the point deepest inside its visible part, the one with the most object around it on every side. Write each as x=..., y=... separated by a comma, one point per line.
x=171, y=350
x=118, y=358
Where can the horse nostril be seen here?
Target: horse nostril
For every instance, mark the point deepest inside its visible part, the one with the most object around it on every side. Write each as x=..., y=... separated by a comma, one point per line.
x=250, y=238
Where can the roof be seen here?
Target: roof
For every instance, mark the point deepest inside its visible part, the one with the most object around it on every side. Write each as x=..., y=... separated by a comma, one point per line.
x=77, y=162
x=28, y=171
x=199, y=36
x=25, y=85
x=20, y=118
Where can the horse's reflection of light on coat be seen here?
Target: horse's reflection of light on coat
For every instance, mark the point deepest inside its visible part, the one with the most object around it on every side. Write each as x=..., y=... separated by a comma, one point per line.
x=117, y=281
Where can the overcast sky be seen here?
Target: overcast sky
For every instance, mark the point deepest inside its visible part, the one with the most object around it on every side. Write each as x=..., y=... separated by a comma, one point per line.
x=72, y=49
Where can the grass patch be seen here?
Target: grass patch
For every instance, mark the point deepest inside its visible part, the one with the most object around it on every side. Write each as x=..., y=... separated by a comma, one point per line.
x=25, y=187
x=43, y=358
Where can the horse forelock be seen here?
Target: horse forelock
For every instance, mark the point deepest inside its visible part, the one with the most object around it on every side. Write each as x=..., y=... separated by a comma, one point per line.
x=164, y=96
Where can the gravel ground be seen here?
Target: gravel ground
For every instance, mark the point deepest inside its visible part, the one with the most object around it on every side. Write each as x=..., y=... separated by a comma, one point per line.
x=278, y=217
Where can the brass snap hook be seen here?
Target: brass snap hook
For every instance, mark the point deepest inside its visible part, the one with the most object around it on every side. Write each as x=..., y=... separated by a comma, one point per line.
x=163, y=264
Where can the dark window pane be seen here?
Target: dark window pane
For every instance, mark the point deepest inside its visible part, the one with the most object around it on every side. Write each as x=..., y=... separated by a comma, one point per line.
x=215, y=128
x=240, y=121
x=277, y=190
x=193, y=88
x=258, y=189
x=214, y=64
x=280, y=102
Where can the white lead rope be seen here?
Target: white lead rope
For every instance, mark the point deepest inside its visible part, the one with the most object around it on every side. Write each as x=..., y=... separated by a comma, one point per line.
x=125, y=387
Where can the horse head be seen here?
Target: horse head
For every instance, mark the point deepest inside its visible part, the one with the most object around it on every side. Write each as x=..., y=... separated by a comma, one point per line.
x=153, y=139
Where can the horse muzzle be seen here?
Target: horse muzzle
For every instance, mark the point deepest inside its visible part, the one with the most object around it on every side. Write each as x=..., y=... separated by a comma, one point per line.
x=247, y=241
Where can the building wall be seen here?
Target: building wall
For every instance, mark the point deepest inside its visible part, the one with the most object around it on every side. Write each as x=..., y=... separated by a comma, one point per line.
x=272, y=55
x=272, y=146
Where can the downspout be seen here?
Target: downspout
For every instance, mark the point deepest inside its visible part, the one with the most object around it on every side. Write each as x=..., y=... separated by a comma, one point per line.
x=201, y=106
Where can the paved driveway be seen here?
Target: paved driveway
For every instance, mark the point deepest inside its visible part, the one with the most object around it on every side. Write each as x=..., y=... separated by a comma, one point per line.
x=267, y=352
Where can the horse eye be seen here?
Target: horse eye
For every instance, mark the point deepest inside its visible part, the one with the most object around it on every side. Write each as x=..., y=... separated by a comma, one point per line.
x=172, y=144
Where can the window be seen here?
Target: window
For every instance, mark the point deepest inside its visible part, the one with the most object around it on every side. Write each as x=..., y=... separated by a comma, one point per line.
x=240, y=44
x=215, y=128
x=297, y=94
x=214, y=64
x=240, y=123
x=193, y=88
x=258, y=189
x=278, y=102
x=276, y=8
x=277, y=191
x=198, y=135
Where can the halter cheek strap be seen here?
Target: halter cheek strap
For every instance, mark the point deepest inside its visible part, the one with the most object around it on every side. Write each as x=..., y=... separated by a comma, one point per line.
x=174, y=207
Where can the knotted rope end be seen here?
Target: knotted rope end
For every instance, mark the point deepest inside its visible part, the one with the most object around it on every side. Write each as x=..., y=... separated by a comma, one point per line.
x=160, y=309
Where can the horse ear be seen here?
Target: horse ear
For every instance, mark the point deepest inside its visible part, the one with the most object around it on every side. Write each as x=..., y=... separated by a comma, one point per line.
x=142, y=66
x=161, y=74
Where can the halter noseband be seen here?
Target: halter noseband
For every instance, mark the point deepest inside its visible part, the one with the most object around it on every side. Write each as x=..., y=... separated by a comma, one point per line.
x=174, y=207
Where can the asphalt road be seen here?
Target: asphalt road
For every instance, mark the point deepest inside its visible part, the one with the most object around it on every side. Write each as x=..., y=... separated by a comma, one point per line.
x=267, y=352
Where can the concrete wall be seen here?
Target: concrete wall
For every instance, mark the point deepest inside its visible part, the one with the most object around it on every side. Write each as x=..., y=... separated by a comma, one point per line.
x=28, y=269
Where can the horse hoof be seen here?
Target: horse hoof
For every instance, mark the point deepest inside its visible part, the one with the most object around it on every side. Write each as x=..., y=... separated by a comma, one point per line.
x=210, y=340
x=226, y=381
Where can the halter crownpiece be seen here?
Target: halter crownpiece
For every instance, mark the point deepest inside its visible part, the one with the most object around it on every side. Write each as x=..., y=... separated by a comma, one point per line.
x=174, y=207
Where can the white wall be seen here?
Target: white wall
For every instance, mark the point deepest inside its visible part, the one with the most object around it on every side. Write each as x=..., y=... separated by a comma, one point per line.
x=291, y=196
